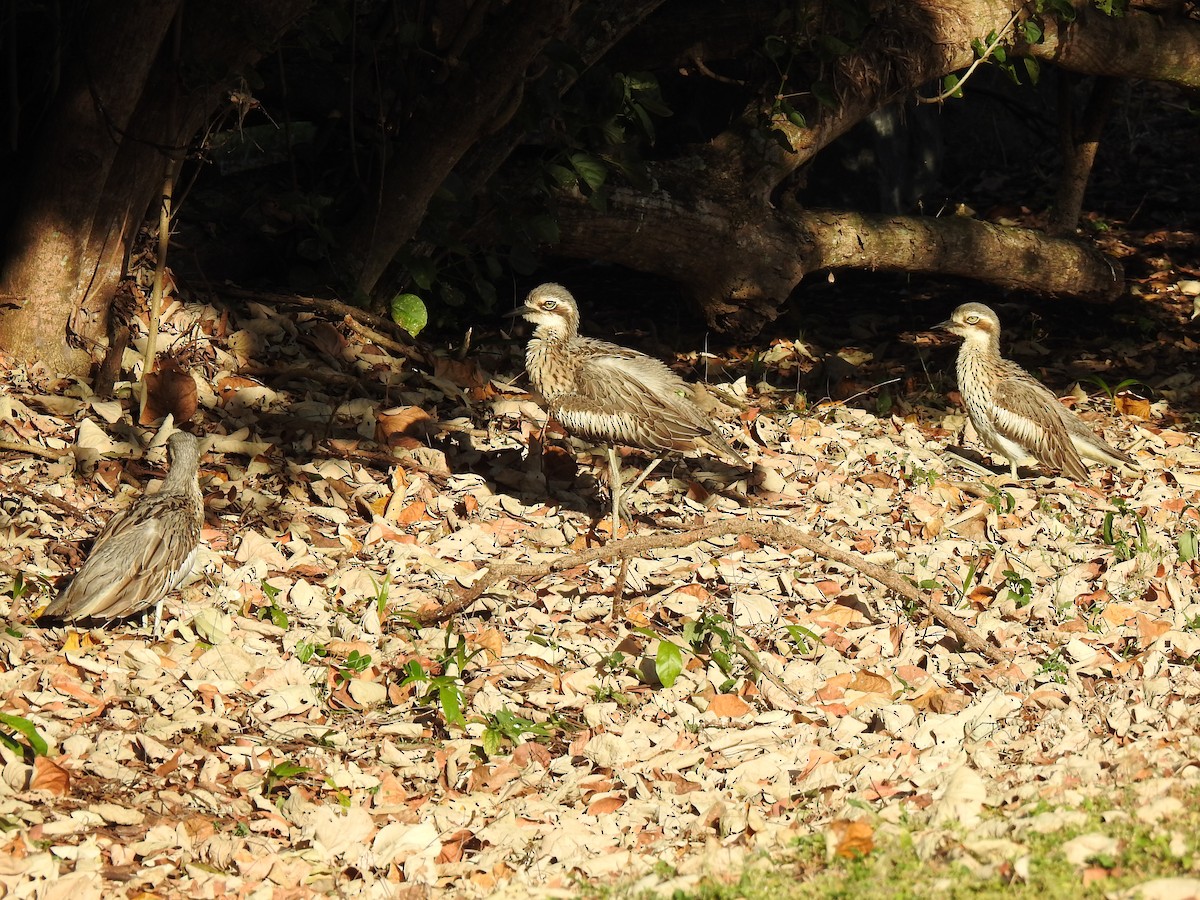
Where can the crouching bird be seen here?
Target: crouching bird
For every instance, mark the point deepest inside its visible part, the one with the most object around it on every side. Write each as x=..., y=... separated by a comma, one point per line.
x=144, y=552
x=607, y=394
x=1016, y=415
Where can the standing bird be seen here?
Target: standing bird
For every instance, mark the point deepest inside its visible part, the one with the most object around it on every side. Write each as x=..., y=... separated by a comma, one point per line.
x=144, y=552
x=1015, y=414
x=608, y=394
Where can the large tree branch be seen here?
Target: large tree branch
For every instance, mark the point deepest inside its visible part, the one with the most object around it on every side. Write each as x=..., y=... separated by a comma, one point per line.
x=741, y=264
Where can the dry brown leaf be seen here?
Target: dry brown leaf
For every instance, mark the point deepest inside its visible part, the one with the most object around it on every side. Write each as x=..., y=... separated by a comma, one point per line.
x=1129, y=404
x=853, y=838
x=172, y=391
x=870, y=683
x=402, y=422
x=728, y=706
x=50, y=776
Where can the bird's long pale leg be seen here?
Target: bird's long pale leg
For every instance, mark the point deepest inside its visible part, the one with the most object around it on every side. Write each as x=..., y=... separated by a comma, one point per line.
x=614, y=489
x=158, y=619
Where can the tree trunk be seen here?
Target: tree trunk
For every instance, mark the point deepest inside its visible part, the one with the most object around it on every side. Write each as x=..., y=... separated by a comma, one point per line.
x=123, y=107
x=487, y=80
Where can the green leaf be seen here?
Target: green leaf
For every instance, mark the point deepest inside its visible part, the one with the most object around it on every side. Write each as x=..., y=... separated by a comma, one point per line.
x=288, y=770
x=1188, y=545
x=591, y=169
x=1033, y=32
x=451, y=701
x=668, y=663
x=950, y=86
x=409, y=312
x=542, y=228
x=26, y=728
x=561, y=174
x=1033, y=70
x=422, y=271
x=491, y=741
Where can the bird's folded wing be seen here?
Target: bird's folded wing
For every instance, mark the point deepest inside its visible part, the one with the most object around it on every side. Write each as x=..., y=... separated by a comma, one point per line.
x=625, y=397
x=129, y=569
x=1024, y=413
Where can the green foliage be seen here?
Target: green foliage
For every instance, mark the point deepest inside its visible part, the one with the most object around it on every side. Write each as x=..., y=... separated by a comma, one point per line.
x=443, y=681
x=33, y=742
x=1003, y=502
x=668, y=663
x=806, y=639
x=356, y=663
x=1125, y=543
x=409, y=312
x=272, y=611
x=505, y=726
x=1020, y=590
x=1055, y=666
x=280, y=774
x=1187, y=543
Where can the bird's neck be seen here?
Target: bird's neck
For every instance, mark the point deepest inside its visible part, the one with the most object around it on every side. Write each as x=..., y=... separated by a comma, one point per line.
x=985, y=344
x=181, y=477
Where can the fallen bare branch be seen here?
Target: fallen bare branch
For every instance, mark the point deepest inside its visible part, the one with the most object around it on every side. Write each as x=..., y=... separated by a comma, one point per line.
x=34, y=450
x=775, y=533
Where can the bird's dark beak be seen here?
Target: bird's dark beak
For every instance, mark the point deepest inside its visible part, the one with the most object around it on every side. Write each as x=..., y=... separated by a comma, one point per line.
x=519, y=311
x=944, y=326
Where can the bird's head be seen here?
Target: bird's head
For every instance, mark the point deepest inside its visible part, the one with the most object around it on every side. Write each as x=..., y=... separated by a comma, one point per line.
x=552, y=309
x=975, y=323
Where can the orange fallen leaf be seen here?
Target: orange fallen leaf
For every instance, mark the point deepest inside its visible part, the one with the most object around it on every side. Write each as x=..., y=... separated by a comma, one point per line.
x=728, y=705
x=605, y=805
x=870, y=683
x=1129, y=404
x=854, y=839
x=401, y=421
x=50, y=776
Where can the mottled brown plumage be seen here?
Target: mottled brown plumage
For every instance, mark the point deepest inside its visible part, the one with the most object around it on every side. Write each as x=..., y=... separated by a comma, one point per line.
x=144, y=552
x=607, y=394
x=1016, y=415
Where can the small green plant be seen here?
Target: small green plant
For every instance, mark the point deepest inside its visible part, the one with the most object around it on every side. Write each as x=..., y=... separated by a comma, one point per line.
x=280, y=774
x=805, y=639
x=1020, y=590
x=32, y=744
x=381, y=597
x=1001, y=501
x=444, y=685
x=306, y=650
x=272, y=611
x=1055, y=666
x=356, y=663
x=1125, y=544
x=19, y=588
x=1188, y=544
x=505, y=725
x=1111, y=392
x=918, y=476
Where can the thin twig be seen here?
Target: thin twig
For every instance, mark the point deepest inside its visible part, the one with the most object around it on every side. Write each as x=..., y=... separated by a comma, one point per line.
x=771, y=532
x=35, y=450
x=987, y=52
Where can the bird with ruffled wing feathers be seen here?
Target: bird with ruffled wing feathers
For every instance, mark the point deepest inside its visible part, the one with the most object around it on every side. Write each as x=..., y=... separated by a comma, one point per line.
x=607, y=394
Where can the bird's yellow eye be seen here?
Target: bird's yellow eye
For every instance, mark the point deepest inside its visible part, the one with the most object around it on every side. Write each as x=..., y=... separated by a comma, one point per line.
x=972, y=320
x=549, y=304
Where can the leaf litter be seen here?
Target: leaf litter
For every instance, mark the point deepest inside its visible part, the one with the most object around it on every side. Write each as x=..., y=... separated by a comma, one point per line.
x=299, y=730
